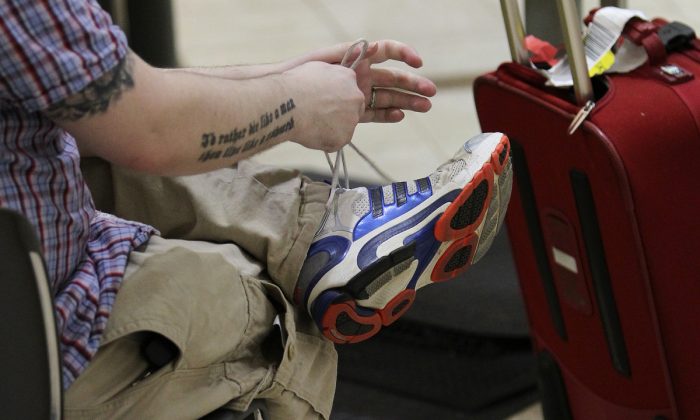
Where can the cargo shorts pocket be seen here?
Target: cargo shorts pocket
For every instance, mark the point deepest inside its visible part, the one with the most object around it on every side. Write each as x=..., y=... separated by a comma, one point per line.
x=308, y=363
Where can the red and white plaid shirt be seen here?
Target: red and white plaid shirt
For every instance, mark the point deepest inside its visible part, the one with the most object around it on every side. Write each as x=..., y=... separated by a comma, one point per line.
x=49, y=50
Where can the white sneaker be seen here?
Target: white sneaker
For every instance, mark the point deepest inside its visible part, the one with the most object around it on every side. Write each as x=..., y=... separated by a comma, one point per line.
x=377, y=246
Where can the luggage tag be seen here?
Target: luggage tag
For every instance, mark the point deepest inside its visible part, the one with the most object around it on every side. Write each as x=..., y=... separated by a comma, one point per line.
x=602, y=35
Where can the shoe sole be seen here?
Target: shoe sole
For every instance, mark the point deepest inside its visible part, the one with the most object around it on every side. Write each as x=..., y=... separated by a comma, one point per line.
x=456, y=232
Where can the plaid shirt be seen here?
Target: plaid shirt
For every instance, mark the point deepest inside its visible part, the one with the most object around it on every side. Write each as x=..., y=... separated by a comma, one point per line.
x=49, y=50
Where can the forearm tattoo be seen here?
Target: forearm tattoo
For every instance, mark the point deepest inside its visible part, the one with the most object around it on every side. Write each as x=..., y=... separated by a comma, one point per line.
x=96, y=97
x=243, y=139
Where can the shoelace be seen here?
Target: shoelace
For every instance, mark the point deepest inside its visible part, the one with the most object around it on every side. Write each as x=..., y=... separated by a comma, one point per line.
x=340, y=155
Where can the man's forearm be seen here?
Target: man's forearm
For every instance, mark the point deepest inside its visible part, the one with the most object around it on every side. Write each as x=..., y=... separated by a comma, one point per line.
x=236, y=72
x=178, y=122
x=222, y=122
x=249, y=71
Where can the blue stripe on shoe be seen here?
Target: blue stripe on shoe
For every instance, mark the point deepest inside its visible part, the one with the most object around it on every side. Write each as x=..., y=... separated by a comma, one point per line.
x=368, y=253
x=369, y=222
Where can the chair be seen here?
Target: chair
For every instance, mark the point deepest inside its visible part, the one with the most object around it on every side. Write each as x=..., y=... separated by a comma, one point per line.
x=30, y=360
x=29, y=356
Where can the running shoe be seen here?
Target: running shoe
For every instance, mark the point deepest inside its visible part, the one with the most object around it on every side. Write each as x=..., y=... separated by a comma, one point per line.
x=376, y=246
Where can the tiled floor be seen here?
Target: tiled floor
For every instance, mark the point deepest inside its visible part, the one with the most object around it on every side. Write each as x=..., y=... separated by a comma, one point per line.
x=458, y=39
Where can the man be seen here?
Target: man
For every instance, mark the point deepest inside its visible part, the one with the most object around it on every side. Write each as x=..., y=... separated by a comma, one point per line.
x=71, y=88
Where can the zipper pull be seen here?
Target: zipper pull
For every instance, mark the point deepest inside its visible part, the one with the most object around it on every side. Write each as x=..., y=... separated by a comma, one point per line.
x=581, y=117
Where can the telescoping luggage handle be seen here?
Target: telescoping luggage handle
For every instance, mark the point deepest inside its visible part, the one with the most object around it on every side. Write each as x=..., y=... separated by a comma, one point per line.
x=571, y=30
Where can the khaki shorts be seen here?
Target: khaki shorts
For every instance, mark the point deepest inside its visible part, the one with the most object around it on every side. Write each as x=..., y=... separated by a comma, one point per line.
x=216, y=302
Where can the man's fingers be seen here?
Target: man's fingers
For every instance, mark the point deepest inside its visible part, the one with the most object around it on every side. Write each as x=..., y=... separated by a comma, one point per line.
x=402, y=79
x=335, y=53
x=377, y=52
x=387, y=98
x=387, y=115
x=395, y=50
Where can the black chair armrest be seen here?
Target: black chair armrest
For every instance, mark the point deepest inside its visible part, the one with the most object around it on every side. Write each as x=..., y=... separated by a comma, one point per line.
x=30, y=358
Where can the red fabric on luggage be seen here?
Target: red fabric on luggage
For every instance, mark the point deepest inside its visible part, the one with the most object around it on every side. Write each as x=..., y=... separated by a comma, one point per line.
x=637, y=149
x=658, y=149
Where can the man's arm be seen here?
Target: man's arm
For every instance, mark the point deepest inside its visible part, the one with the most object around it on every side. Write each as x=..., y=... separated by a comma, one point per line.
x=172, y=123
x=388, y=49
x=238, y=72
x=398, y=89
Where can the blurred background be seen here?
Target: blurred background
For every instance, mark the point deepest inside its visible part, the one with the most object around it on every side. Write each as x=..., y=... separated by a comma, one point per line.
x=458, y=40
x=462, y=351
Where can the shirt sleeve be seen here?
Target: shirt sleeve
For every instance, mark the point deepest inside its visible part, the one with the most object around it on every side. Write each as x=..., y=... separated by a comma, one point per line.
x=51, y=49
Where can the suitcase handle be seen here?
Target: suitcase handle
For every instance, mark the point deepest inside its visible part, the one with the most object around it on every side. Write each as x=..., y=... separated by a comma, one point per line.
x=570, y=26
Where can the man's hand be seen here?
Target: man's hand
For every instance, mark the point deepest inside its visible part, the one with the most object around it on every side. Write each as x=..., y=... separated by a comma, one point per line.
x=337, y=103
x=389, y=102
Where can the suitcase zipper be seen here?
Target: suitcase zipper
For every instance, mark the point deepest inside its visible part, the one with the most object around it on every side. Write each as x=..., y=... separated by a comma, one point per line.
x=581, y=117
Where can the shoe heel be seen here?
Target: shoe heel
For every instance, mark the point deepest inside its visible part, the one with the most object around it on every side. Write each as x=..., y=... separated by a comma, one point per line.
x=342, y=321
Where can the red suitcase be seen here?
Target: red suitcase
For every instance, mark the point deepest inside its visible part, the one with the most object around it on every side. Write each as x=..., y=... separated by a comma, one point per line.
x=605, y=226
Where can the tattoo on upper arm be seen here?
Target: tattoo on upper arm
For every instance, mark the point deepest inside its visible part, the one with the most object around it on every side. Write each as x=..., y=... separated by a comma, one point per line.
x=243, y=139
x=96, y=97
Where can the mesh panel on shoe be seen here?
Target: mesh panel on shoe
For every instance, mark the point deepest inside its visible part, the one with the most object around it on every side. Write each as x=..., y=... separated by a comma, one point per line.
x=470, y=211
x=391, y=273
x=457, y=167
x=505, y=181
x=361, y=205
x=349, y=327
x=487, y=234
x=505, y=185
x=402, y=266
x=377, y=284
x=412, y=187
x=388, y=191
x=434, y=179
x=459, y=259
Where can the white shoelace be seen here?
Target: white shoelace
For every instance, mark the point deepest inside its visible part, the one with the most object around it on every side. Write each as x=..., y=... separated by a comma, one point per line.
x=340, y=155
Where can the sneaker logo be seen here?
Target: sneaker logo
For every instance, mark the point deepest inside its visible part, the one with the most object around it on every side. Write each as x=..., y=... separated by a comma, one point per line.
x=400, y=207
